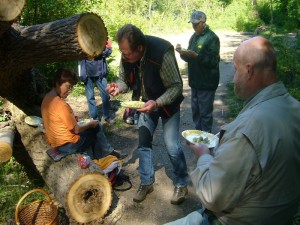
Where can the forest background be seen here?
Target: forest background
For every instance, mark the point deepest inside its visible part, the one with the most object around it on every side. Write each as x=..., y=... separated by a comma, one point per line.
x=274, y=19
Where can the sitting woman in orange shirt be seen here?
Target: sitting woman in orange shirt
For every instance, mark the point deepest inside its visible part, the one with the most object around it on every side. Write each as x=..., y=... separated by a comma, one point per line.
x=61, y=128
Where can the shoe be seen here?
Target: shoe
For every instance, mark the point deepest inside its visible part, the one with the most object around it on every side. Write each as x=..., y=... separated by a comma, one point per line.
x=110, y=121
x=142, y=192
x=119, y=155
x=179, y=195
x=129, y=120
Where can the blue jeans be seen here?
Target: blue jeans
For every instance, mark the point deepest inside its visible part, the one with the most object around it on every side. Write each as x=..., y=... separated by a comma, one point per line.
x=147, y=125
x=92, y=141
x=90, y=96
x=194, y=218
x=202, y=108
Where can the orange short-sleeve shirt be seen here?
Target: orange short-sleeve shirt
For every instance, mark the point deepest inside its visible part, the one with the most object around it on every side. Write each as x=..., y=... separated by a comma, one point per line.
x=59, y=121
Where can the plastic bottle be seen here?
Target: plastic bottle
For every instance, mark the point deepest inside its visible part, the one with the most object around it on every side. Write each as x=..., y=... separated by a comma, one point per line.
x=84, y=161
x=136, y=118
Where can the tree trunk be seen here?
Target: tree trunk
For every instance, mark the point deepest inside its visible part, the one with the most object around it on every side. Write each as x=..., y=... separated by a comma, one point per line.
x=85, y=193
x=73, y=38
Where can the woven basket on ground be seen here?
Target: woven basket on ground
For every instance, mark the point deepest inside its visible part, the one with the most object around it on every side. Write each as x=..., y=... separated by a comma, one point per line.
x=38, y=212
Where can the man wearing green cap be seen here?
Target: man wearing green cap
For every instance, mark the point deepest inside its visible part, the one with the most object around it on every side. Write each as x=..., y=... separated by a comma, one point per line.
x=203, y=57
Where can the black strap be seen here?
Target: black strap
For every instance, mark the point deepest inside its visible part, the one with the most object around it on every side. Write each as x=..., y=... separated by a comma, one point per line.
x=121, y=179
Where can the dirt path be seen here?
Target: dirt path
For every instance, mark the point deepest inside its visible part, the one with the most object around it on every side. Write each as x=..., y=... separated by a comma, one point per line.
x=156, y=209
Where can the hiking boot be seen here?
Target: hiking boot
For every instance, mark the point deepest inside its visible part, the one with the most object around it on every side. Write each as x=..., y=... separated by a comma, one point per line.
x=119, y=155
x=179, y=195
x=142, y=192
x=110, y=121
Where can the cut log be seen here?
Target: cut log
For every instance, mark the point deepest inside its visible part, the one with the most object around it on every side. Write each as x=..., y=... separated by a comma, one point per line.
x=86, y=194
x=6, y=143
x=92, y=35
x=10, y=10
x=89, y=197
x=74, y=38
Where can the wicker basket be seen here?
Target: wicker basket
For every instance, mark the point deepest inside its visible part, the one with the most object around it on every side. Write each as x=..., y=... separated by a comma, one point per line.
x=38, y=212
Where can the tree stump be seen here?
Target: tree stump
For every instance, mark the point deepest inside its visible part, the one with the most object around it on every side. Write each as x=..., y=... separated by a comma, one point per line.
x=86, y=194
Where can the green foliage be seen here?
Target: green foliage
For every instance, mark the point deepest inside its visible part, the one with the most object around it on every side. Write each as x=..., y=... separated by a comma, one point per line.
x=295, y=91
x=78, y=90
x=49, y=70
x=14, y=184
x=40, y=11
x=280, y=13
x=170, y=16
x=239, y=16
x=4, y=116
x=235, y=104
x=288, y=62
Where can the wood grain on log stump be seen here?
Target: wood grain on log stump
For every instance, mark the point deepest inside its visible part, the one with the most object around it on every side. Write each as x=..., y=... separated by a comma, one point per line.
x=10, y=9
x=6, y=143
x=89, y=197
x=92, y=35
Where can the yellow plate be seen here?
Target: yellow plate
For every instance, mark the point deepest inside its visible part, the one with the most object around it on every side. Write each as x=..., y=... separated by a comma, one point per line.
x=133, y=104
x=33, y=120
x=192, y=135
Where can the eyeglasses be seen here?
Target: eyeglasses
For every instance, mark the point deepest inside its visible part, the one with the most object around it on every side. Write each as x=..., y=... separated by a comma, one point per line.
x=126, y=55
x=69, y=87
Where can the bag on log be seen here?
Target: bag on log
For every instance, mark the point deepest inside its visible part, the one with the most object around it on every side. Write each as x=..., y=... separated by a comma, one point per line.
x=111, y=166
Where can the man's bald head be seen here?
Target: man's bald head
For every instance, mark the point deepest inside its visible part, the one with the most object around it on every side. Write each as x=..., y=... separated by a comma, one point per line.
x=260, y=53
x=255, y=64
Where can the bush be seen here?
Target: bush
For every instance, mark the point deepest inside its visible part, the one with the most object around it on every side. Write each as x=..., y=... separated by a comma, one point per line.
x=288, y=62
x=78, y=89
